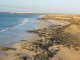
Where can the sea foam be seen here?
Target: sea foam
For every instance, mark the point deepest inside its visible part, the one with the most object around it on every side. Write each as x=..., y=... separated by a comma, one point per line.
x=25, y=20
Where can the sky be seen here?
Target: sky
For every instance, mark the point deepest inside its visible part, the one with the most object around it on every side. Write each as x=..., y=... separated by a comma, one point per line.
x=41, y=6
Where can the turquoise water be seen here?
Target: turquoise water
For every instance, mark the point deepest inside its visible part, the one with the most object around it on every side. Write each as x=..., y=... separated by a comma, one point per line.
x=14, y=26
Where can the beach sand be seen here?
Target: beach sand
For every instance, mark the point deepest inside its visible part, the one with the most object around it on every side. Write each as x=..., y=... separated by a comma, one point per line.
x=64, y=53
x=15, y=54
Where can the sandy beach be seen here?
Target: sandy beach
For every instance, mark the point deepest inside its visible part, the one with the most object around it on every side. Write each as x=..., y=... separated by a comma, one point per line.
x=53, y=50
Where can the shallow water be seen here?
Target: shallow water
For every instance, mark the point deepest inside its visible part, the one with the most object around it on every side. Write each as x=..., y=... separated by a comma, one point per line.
x=14, y=26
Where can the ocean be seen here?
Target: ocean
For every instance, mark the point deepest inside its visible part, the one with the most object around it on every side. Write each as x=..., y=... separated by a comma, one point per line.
x=14, y=26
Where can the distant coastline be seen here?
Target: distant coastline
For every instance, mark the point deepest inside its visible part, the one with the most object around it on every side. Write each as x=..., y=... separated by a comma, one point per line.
x=68, y=14
x=19, y=13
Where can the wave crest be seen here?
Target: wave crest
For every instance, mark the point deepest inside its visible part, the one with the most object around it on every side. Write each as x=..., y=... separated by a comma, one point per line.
x=23, y=22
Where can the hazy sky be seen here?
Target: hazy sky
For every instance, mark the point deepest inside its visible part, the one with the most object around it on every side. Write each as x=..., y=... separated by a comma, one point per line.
x=51, y=6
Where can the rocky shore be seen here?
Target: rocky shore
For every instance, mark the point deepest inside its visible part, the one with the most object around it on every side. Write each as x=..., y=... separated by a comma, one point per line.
x=54, y=42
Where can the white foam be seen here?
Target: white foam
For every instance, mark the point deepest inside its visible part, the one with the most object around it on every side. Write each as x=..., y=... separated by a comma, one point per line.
x=23, y=22
x=3, y=30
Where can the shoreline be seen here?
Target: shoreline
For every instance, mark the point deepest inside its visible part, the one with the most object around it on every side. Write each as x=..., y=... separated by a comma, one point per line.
x=27, y=47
